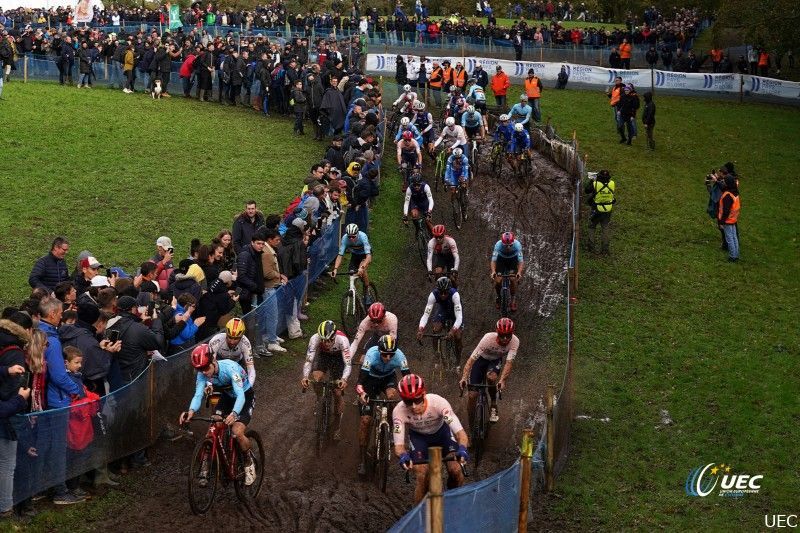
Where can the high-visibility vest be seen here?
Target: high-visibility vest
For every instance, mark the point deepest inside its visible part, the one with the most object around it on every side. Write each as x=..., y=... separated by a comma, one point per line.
x=763, y=59
x=459, y=78
x=447, y=75
x=532, y=87
x=604, y=196
x=733, y=214
x=437, y=77
x=616, y=92
x=625, y=51
x=716, y=55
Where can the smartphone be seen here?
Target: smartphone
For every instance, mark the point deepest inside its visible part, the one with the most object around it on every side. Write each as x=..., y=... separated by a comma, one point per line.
x=171, y=250
x=109, y=273
x=112, y=335
x=26, y=380
x=150, y=308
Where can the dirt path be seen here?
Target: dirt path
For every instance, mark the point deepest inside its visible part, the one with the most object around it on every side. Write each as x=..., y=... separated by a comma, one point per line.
x=302, y=494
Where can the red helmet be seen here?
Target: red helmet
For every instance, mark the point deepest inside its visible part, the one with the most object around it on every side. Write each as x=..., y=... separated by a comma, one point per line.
x=504, y=328
x=377, y=311
x=439, y=230
x=201, y=356
x=507, y=238
x=411, y=387
x=408, y=135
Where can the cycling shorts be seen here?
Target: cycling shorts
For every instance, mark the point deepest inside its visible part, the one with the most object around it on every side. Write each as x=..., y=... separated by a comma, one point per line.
x=429, y=137
x=507, y=265
x=422, y=206
x=409, y=158
x=374, y=386
x=472, y=131
x=482, y=367
x=226, y=403
x=442, y=314
x=444, y=261
x=333, y=364
x=355, y=261
x=420, y=442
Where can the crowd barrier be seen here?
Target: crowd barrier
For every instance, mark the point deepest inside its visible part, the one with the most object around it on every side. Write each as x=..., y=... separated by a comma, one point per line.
x=593, y=76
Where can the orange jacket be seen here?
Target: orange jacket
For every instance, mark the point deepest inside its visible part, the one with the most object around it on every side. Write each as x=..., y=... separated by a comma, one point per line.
x=437, y=77
x=533, y=87
x=716, y=55
x=763, y=59
x=447, y=75
x=616, y=92
x=625, y=50
x=500, y=83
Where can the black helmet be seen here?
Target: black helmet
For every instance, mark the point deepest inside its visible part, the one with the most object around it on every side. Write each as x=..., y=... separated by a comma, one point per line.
x=387, y=344
x=443, y=284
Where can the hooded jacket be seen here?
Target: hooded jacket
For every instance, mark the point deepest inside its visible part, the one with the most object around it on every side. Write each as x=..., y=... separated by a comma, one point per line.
x=60, y=388
x=137, y=339
x=96, y=361
x=12, y=340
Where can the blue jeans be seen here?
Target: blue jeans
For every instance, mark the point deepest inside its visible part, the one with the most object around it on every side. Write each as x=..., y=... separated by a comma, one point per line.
x=1, y=85
x=268, y=316
x=86, y=79
x=8, y=461
x=732, y=238
x=145, y=75
x=115, y=78
x=537, y=112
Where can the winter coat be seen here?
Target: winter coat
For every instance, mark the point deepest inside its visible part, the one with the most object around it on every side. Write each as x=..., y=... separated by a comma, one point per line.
x=244, y=229
x=401, y=73
x=250, y=275
x=96, y=361
x=334, y=108
x=84, y=61
x=137, y=339
x=60, y=388
x=12, y=341
x=187, y=332
x=48, y=271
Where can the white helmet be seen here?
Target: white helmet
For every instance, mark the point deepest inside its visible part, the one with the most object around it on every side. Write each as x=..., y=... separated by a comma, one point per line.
x=458, y=152
x=450, y=122
x=523, y=97
x=351, y=230
x=518, y=127
x=405, y=121
x=471, y=109
x=407, y=88
x=504, y=117
x=419, y=105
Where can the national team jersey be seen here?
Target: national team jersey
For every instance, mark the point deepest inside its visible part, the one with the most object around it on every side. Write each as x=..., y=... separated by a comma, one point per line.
x=476, y=93
x=420, y=197
x=520, y=140
x=456, y=135
x=373, y=363
x=490, y=349
x=471, y=120
x=451, y=306
x=230, y=379
x=504, y=133
x=340, y=348
x=360, y=245
x=437, y=413
x=387, y=326
x=446, y=246
x=242, y=353
x=507, y=252
x=413, y=129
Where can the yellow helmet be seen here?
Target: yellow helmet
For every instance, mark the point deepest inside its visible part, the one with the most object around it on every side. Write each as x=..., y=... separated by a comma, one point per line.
x=234, y=328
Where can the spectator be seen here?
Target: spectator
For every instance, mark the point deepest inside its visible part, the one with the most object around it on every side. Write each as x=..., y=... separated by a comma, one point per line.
x=138, y=339
x=666, y=58
x=187, y=324
x=10, y=404
x=628, y=104
x=189, y=279
x=400, y=74
x=163, y=262
x=250, y=278
x=533, y=89
x=333, y=109
x=500, y=85
x=216, y=305
x=298, y=99
x=651, y=57
x=563, y=78
x=601, y=193
x=90, y=268
x=97, y=355
x=51, y=269
x=481, y=77
x=273, y=280
x=293, y=261
x=614, y=59
x=649, y=119
x=335, y=153
x=245, y=226
x=625, y=53
x=728, y=216
x=228, y=261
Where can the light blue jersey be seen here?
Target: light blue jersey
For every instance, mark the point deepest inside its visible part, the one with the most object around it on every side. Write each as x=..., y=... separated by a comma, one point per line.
x=452, y=175
x=231, y=378
x=360, y=245
x=378, y=369
x=507, y=252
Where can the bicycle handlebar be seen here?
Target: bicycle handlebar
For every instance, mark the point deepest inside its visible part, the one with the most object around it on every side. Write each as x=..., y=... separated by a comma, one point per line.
x=482, y=386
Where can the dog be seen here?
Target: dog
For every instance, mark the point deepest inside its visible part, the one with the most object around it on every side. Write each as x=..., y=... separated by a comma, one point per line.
x=156, y=92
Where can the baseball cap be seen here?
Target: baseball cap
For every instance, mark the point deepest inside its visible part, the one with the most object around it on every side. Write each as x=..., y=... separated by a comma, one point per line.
x=164, y=242
x=126, y=302
x=100, y=281
x=90, y=262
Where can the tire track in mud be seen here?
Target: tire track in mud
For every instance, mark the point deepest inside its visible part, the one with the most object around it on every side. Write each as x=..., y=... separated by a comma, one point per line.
x=304, y=494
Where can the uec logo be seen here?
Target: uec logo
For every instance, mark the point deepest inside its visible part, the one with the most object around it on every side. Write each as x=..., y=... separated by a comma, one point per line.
x=702, y=481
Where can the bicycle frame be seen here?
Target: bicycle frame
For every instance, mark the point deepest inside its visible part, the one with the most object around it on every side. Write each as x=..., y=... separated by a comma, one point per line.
x=220, y=435
x=505, y=293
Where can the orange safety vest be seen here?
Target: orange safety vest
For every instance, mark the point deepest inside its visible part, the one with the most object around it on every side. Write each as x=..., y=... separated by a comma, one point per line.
x=763, y=59
x=733, y=215
x=616, y=92
x=447, y=75
x=532, y=87
x=459, y=78
x=716, y=55
x=437, y=77
x=625, y=50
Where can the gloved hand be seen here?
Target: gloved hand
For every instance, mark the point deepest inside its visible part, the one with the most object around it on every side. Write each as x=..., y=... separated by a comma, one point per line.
x=405, y=460
x=462, y=454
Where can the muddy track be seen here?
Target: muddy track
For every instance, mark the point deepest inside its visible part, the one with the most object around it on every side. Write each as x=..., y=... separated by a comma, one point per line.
x=302, y=494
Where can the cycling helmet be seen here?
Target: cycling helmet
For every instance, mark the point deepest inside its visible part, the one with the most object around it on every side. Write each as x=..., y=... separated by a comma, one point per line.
x=507, y=238
x=504, y=118
x=416, y=180
x=523, y=97
x=439, y=230
x=407, y=88
x=234, y=328
x=471, y=109
x=377, y=311
x=326, y=330
x=453, y=89
x=201, y=356
x=419, y=105
x=387, y=344
x=450, y=122
x=518, y=127
x=405, y=121
x=458, y=152
x=443, y=284
x=411, y=387
x=408, y=135
x=504, y=326
x=351, y=230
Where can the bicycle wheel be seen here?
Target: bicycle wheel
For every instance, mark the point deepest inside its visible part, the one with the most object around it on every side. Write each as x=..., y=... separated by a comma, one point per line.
x=478, y=433
x=458, y=216
x=497, y=161
x=322, y=425
x=382, y=457
x=505, y=299
x=203, y=490
x=422, y=245
x=348, y=310
x=257, y=452
x=463, y=198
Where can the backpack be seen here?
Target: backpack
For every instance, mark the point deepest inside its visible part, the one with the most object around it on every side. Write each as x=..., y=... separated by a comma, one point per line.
x=80, y=429
x=294, y=204
x=351, y=154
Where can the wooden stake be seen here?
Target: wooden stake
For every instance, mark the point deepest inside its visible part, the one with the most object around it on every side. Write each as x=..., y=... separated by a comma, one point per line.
x=551, y=440
x=435, y=499
x=525, y=479
x=24, y=70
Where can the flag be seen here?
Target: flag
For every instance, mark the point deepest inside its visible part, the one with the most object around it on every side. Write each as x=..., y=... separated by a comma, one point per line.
x=175, y=17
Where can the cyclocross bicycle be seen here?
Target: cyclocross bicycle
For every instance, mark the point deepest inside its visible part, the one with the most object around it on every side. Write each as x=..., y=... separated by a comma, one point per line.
x=479, y=431
x=323, y=413
x=354, y=303
x=421, y=238
x=446, y=359
x=381, y=440
x=217, y=457
x=497, y=158
x=523, y=166
x=441, y=165
x=459, y=203
x=505, y=293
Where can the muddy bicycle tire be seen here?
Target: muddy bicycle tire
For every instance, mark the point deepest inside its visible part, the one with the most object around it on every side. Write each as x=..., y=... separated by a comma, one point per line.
x=199, y=504
x=478, y=437
x=458, y=215
x=505, y=298
x=322, y=423
x=349, y=313
x=382, y=458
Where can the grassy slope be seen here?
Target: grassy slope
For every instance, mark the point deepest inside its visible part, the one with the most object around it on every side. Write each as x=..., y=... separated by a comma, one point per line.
x=666, y=323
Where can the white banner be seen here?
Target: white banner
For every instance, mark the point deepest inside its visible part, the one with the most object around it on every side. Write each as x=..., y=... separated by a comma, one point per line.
x=604, y=77
x=84, y=11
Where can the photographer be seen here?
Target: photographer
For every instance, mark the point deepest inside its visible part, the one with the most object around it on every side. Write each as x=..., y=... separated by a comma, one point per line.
x=136, y=337
x=601, y=191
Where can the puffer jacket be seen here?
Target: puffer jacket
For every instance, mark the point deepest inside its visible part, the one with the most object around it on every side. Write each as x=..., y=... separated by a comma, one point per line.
x=96, y=361
x=12, y=340
x=60, y=388
x=47, y=272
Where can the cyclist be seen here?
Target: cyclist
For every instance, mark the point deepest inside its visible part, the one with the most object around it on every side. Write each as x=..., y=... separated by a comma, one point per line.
x=357, y=243
x=430, y=421
x=406, y=125
x=419, y=199
x=477, y=96
x=232, y=344
x=457, y=171
x=405, y=100
x=449, y=308
x=452, y=133
x=378, y=322
x=424, y=124
x=442, y=254
x=473, y=123
x=329, y=352
x=229, y=378
x=504, y=130
x=484, y=364
x=378, y=375
x=519, y=146
x=507, y=259
x=459, y=108
x=455, y=94
x=409, y=155
x=521, y=112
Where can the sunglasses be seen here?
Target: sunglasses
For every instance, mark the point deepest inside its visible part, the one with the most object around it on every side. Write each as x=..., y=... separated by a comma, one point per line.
x=415, y=401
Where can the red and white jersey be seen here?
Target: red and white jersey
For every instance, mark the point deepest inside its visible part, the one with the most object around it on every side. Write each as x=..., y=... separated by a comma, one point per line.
x=387, y=326
x=447, y=246
x=490, y=349
x=437, y=413
x=340, y=348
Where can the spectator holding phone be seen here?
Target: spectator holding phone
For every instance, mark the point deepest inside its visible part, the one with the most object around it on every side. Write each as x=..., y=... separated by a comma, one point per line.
x=163, y=261
x=10, y=405
x=186, y=305
x=86, y=335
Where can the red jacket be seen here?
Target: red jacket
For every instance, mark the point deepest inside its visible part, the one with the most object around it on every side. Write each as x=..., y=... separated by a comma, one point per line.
x=500, y=84
x=187, y=66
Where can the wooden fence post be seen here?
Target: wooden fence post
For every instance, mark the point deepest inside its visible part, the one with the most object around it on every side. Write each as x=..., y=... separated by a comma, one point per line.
x=152, y=406
x=435, y=498
x=525, y=479
x=551, y=440
x=24, y=69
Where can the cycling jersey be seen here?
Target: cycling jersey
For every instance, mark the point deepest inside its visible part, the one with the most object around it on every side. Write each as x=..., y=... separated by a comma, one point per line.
x=242, y=353
x=437, y=413
x=521, y=113
x=360, y=245
x=375, y=366
x=387, y=326
x=455, y=135
x=449, y=307
x=453, y=174
x=519, y=141
x=471, y=120
x=402, y=98
x=489, y=348
x=503, y=133
x=409, y=153
x=507, y=252
x=446, y=246
x=421, y=199
x=423, y=121
x=413, y=129
x=340, y=348
x=476, y=94
x=230, y=378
